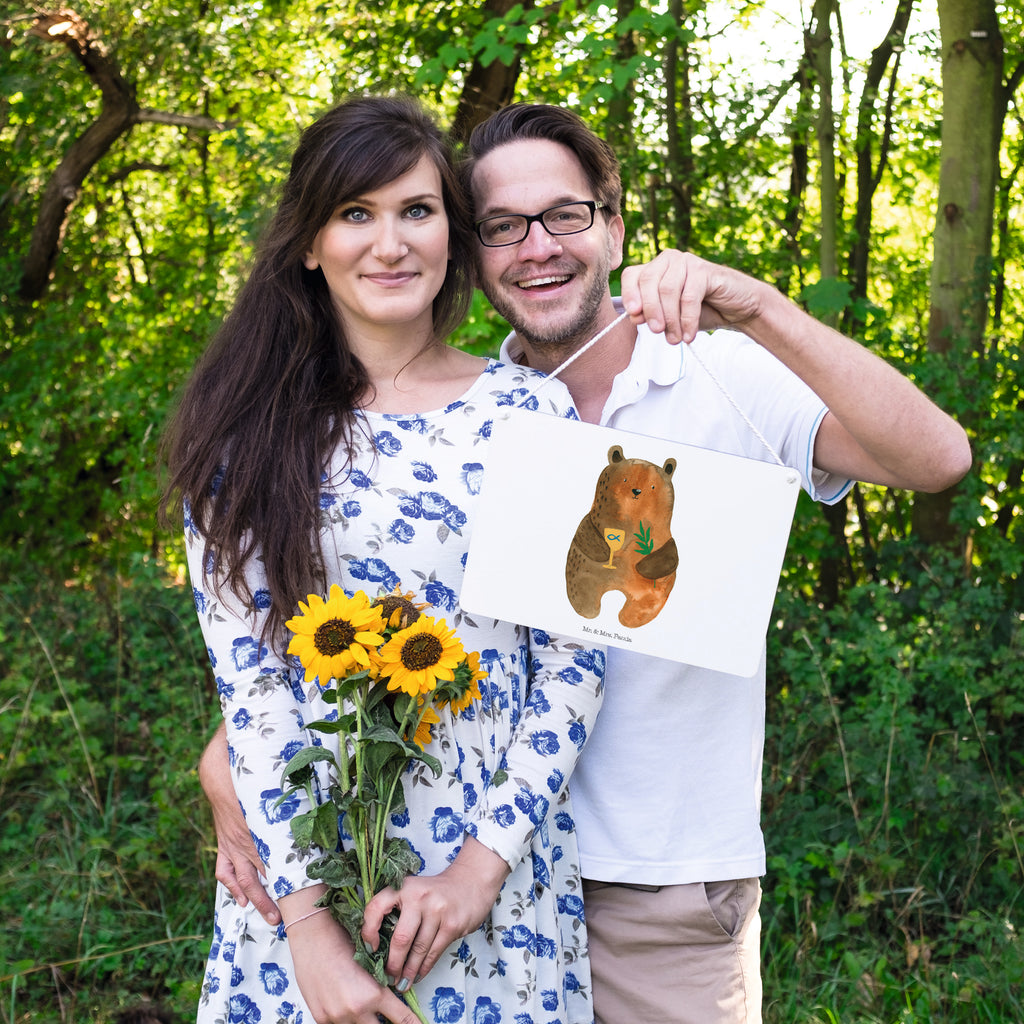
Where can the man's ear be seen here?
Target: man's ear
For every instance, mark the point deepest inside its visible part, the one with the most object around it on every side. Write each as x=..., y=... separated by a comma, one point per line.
x=616, y=236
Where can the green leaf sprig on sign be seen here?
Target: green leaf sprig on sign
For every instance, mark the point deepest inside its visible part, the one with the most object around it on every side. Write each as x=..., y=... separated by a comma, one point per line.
x=389, y=669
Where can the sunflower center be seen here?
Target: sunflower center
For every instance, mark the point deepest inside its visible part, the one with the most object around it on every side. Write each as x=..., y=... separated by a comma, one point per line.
x=391, y=603
x=421, y=651
x=334, y=636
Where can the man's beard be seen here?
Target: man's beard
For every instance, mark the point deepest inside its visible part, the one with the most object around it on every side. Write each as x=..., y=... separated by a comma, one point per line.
x=569, y=335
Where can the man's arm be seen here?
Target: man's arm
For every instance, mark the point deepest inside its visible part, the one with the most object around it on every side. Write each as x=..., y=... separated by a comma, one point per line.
x=238, y=864
x=881, y=428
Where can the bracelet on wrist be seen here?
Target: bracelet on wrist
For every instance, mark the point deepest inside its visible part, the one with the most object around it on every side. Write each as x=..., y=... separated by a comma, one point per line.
x=305, y=917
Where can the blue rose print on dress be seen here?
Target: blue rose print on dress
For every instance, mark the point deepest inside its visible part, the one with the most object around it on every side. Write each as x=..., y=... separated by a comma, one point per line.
x=357, y=478
x=484, y=433
x=578, y=734
x=505, y=816
x=589, y=660
x=572, y=905
x=262, y=600
x=541, y=875
x=441, y=596
x=386, y=443
x=351, y=509
x=374, y=570
x=274, y=978
x=546, y=947
x=545, y=742
x=242, y=1010
x=241, y=718
x=199, y=599
x=487, y=1011
x=555, y=781
x=401, y=531
x=327, y=501
x=290, y=749
x=533, y=805
x=424, y=472
x=274, y=811
x=519, y=937
x=282, y=887
x=448, y=1006
x=237, y=977
x=415, y=425
x=446, y=825
x=564, y=822
x=549, y=999
x=538, y=702
x=246, y=652
x=571, y=675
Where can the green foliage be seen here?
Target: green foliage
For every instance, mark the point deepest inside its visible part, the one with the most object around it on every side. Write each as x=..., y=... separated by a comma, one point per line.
x=893, y=783
x=893, y=803
x=107, y=867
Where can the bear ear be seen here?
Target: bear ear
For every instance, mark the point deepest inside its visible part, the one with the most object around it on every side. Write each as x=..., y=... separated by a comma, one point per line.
x=615, y=454
x=669, y=467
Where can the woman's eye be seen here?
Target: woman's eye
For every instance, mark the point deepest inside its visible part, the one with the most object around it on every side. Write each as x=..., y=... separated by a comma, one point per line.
x=354, y=214
x=419, y=211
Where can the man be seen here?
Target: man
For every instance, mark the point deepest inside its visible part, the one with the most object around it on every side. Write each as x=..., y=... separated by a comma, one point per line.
x=667, y=792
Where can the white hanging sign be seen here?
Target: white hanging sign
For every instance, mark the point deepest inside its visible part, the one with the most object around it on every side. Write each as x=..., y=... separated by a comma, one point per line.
x=629, y=541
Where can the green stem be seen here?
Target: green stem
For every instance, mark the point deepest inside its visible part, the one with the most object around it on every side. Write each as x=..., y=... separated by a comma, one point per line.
x=360, y=834
x=414, y=1004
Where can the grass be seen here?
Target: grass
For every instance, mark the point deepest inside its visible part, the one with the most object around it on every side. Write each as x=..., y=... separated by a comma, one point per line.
x=893, y=810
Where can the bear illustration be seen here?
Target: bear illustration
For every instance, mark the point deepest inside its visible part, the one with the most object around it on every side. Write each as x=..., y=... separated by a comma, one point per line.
x=625, y=541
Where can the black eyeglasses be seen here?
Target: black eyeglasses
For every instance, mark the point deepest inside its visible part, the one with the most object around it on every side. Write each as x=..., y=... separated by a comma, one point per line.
x=564, y=219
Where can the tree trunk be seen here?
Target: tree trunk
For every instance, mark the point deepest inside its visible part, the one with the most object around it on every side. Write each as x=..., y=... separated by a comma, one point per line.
x=973, y=104
x=679, y=132
x=869, y=170
x=819, y=55
x=487, y=89
x=117, y=115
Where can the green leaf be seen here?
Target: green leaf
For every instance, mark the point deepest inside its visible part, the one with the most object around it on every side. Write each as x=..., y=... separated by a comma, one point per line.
x=303, y=826
x=299, y=769
x=325, y=826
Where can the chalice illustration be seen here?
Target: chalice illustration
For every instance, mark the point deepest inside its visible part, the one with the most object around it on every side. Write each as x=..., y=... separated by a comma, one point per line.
x=615, y=538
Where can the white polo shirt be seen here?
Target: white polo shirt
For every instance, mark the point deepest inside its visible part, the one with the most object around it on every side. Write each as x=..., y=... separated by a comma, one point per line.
x=668, y=789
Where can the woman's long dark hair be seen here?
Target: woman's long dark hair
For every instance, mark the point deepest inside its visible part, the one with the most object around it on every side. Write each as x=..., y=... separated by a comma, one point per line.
x=274, y=394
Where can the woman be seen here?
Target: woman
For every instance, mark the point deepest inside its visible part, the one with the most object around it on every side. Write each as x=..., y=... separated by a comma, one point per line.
x=329, y=435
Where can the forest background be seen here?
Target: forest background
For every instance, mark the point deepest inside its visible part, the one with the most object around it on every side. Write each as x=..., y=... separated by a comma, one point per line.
x=866, y=158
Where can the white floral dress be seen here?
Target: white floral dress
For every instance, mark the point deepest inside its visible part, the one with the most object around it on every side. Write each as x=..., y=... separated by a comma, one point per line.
x=403, y=516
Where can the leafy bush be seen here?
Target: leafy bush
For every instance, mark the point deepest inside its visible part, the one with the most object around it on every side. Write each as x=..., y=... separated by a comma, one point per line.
x=107, y=881
x=894, y=807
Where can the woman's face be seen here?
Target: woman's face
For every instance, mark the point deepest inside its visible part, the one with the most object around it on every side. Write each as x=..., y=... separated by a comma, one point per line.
x=385, y=254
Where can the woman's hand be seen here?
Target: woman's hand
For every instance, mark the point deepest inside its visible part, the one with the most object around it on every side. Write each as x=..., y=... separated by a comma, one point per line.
x=435, y=910
x=238, y=864
x=336, y=989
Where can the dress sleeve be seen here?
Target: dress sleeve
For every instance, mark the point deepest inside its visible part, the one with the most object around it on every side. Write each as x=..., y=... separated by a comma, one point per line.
x=564, y=696
x=263, y=705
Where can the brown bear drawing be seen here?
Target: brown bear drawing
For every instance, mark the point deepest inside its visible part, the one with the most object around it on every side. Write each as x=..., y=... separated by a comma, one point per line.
x=625, y=541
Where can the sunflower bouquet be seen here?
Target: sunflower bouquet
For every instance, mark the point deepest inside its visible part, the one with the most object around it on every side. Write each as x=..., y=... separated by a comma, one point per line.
x=390, y=669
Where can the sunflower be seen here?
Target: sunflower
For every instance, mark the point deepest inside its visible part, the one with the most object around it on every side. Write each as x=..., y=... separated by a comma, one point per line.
x=417, y=657
x=423, y=734
x=332, y=636
x=472, y=692
x=400, y=609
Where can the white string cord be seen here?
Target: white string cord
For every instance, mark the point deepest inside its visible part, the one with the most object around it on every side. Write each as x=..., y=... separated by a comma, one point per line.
x=692, y=351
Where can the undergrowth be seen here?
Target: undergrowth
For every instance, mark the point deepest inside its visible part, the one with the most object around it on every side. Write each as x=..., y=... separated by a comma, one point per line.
x=893, y=799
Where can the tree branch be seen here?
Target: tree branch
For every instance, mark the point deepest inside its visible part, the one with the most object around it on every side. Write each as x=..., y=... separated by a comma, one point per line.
x=119, y=112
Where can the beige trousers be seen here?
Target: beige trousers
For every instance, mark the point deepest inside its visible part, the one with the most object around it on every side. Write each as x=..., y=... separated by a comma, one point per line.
x=675, y=954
